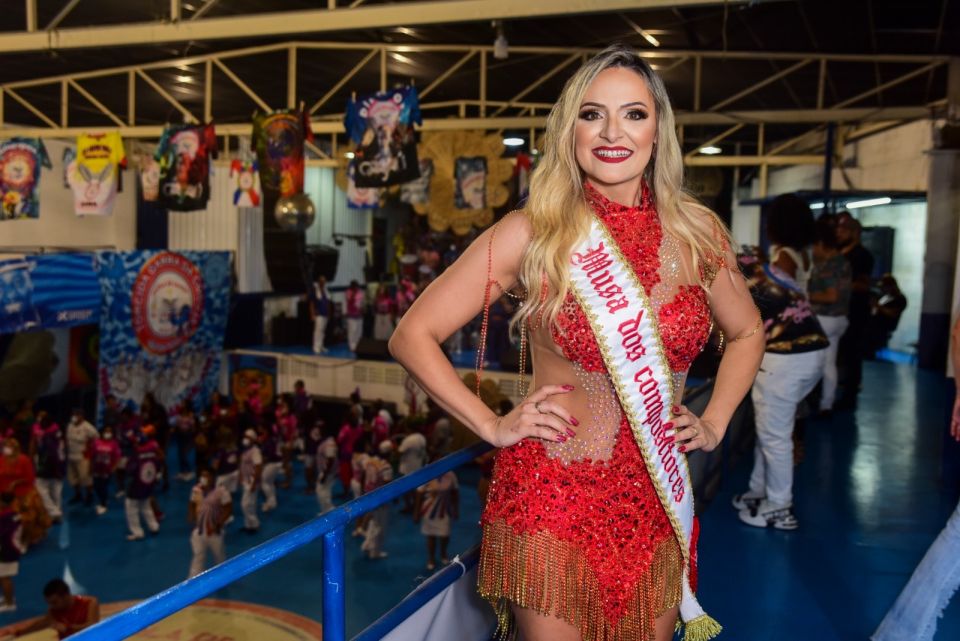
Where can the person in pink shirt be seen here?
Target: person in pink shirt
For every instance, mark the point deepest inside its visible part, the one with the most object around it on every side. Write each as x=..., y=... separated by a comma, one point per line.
x=355, y=303
x=287, y=428
x=104, y=455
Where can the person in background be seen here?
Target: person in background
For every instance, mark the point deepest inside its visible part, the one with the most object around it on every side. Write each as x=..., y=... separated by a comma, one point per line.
x=153, y=413
x=272, y=446
x=11, y=549
x=18, y=477
x=66, y=613
x=319, y=313
x=300, y=403
x=355, y=303
x=185, y=431
x=358, y=466
x=406, y=294
x=913, y=616
x=792, y=366
x=853, y=343
x=326, y=466
x=287, y=430
x=210, y=507
x=111, y=411
x=23, y=422
x=384, y=314
x=413, y=456
x=376, y=473
x=251, y=471
x=350, y=431
x=80, y=434
x=51, y=453
x=885, y=312
x=128, y=436
x=791, y=231
x=378, y=426
x=226, y=458
x=829, y=293
x=145, y=466
x=438, y=504
x=104, y=456
x=441, y=439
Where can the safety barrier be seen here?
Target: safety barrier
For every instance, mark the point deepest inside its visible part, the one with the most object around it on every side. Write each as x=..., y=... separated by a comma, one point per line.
x=331, y=527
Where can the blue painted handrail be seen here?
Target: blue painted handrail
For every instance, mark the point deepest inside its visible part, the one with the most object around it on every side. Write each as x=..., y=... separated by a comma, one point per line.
x=330, y=526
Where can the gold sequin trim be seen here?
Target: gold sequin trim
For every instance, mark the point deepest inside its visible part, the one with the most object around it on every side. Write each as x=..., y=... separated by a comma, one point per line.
x=539, y=572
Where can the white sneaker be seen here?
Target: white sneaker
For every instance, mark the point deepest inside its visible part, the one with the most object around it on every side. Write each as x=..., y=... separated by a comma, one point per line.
x=768, y=515
x=101, y=510
x=746, y=501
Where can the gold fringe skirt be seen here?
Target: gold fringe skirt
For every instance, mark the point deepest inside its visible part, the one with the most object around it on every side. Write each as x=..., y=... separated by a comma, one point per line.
x=539, y=572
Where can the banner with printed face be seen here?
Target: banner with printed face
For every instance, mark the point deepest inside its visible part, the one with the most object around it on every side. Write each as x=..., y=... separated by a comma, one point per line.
x=162, y=324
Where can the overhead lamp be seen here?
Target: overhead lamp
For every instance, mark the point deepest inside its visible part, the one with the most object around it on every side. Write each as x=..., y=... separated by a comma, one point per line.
x=869, y=202
x=399, y=57
x=513, y=142
x=817, y=205
x=710, y=150
x=501, y=48
x=185, y=79
x=350, y=155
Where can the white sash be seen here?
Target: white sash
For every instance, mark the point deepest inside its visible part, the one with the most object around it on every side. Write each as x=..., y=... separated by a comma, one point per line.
x=625, y=327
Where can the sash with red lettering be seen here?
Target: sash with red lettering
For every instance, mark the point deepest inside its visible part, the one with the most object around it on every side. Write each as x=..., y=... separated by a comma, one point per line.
x=626, y=330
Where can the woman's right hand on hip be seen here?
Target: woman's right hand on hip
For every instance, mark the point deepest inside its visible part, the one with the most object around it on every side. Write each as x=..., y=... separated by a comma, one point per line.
x=536, y=417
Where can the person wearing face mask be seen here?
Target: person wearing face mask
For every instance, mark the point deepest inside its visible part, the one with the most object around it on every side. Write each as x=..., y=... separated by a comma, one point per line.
x=209, y=509
x=251, y=469
x=144, y=470
x=18, y=477
x=104, y=455
x=80, y=434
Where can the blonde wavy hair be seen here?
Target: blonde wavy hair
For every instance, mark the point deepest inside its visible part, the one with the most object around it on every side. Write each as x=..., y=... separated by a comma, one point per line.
x=557, y=208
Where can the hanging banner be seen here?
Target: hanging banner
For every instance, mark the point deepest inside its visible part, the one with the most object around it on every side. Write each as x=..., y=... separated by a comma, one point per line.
x=92, y=171
x=278, y=140
x=162, y=326
x=20, y=162
x=184, y=154
x=253, y=374
x=48, y=291
x=381, y=125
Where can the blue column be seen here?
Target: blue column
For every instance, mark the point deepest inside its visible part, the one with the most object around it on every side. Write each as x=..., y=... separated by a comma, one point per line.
x=334, y=586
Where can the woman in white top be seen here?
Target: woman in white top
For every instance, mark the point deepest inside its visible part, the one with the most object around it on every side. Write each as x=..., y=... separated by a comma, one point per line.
x=791, y=231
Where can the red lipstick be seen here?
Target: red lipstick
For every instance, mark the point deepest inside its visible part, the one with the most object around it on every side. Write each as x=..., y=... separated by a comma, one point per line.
x=612, y=154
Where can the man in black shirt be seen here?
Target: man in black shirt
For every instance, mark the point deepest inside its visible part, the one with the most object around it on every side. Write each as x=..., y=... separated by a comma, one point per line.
x=853, y=344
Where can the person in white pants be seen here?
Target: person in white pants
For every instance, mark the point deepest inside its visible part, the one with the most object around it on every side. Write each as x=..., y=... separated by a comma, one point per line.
x=829, y=292
x=355, y=302
x=210, y=507
x=251, y=469
x=51, y=452
x=272, y=465
x=792, y=366
x=320, y=312
x=144, y=468
x=377, y=472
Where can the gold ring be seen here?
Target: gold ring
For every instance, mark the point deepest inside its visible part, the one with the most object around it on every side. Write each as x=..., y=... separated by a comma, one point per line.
x=537, y=407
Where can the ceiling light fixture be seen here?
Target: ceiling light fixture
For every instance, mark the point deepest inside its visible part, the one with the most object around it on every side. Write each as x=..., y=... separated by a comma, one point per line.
x=513, y=141
x=869, y=202
x=399, y=57
x=817, y=205
x=501, y=48
x=710, y=150
x=643, y=32
x=350, y=155
x=186, y=79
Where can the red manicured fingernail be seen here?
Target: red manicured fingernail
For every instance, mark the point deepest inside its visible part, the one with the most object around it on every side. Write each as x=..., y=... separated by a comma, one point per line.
x=561, y=438
x=668, y=425
x=683, y=448
x=571, y=432
x=568, y=387
x=574, y=421
x=676, y=409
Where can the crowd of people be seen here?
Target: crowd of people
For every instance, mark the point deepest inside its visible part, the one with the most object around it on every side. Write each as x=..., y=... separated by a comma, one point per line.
x=822, y=315
x=228, y=450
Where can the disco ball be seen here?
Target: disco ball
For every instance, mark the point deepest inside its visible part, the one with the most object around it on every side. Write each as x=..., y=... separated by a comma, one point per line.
x=295, y=213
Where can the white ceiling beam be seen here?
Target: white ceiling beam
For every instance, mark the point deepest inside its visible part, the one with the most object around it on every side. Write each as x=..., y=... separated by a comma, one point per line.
x=740, y=161
x=260, y=25
x=63, y=13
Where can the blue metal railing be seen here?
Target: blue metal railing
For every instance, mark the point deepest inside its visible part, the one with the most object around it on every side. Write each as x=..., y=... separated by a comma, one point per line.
x=331, y=526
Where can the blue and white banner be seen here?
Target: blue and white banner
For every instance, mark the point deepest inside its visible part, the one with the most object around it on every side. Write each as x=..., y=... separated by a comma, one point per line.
x=163, y=319
x=48, y=291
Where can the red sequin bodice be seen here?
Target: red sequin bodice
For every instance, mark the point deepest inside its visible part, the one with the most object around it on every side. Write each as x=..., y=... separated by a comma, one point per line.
x=608, y=509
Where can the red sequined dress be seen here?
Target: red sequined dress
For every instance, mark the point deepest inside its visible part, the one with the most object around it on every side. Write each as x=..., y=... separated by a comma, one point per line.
x=576, y=529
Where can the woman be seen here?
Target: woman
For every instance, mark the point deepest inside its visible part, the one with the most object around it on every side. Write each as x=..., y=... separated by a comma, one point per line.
x=829, y=293
x=791, y=232
x=17, y=477
x=383, y=307
x=577, y=544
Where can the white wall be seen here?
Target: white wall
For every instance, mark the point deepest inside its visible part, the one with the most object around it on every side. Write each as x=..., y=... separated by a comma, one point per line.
x=910, y=224
x=59, y=228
